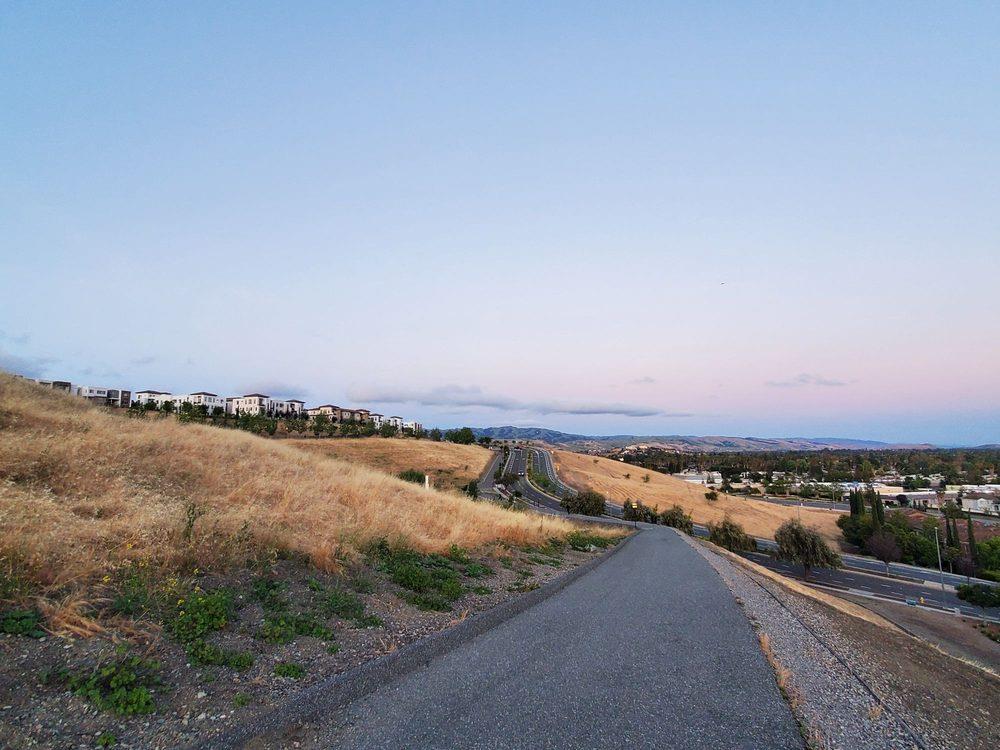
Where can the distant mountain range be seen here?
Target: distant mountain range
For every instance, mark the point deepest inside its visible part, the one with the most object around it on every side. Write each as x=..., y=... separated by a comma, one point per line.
x=684, y=443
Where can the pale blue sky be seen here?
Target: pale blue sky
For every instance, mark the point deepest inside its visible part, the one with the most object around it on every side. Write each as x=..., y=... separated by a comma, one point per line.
x=768, y=219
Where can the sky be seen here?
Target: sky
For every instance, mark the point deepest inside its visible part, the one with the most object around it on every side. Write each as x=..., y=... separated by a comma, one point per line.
x=769, y=219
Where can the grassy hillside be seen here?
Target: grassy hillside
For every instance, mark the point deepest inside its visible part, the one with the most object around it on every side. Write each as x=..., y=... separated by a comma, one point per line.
x=757, y=517
x=450, y=465
x=83, y=491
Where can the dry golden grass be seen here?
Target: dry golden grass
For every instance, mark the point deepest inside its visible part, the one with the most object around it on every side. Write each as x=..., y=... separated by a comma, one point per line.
x=757, y=517
x=449, y=465
x=83, y=491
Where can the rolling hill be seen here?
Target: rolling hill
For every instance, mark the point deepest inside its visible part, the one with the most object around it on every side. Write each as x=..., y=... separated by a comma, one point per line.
x=684, y=443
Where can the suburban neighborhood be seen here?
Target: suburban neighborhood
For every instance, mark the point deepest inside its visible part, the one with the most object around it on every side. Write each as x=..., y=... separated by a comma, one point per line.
x=212, y=404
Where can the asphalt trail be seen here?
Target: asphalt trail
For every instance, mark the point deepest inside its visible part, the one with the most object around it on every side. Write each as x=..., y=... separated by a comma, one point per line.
x=648, y=650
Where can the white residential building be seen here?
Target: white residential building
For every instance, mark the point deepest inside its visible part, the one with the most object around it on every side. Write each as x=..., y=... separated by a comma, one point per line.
x=325, y=410
x=413, y=426
x=258, y=403
x=210, y=401
x=159, y=398
x=396, y=422
x=377, y=419
x=103, y=396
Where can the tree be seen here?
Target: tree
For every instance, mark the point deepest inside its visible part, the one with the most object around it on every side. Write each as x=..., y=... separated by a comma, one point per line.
x=463, y=436
x=973, y=553
x=882, y=544
x=472, y=489
x=387, y=430
x=730, y=535
x=979, y=595
x=169, y=407
x=711, y=496
x=586, y=503
x=676, y=517
x=321, y=423
x=878, y=508
x=804, y=546
x=435, y=435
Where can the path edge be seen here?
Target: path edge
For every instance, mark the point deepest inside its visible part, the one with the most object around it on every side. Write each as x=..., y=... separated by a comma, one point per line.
x=338, y=690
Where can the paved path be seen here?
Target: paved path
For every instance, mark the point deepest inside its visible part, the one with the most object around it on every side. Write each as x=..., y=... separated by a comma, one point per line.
x=649, y=650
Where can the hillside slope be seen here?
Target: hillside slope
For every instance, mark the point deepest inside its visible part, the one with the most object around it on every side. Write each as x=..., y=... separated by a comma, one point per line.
x=757, y=517
x=449, y=465
x=83, y=490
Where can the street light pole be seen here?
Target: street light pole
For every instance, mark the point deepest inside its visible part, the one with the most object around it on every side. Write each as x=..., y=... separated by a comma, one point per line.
x=937, y=543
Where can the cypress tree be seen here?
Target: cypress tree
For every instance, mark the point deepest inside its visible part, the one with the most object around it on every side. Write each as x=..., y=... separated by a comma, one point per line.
x=973, y=555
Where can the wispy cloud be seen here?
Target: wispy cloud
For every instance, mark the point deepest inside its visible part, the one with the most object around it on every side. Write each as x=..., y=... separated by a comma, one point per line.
x=805, y=379
x=32, y=367
x=143, y=361
x=19, y=339
x=276, y=388
x=456, y=395
x=644, y=380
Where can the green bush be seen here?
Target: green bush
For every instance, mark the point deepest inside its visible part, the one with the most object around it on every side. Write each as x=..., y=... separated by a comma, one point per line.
x=477, y=570
x=730, y=535
x=270, y=593
x=289, y=669
x=979, y=594
x=123, y=687
x=202, y=653
x=586, y=503
x=675, y=517
x=412, y=475
x=26, y=622
x=583, y=540
x=432, y=578
x=200, y=613
x=283, y=628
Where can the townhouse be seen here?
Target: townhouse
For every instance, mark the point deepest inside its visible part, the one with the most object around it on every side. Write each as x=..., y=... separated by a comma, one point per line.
x=259, y=403
x=157, y=398
x=211, y=401
x=413, y=426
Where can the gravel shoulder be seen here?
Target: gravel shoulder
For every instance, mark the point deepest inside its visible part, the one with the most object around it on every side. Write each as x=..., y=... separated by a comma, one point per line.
x=854, y=684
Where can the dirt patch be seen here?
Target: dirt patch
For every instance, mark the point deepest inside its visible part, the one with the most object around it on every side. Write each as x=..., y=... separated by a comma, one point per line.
x=959, y=636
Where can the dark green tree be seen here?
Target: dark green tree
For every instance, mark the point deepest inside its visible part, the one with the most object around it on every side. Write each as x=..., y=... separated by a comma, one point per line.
x=804, y=546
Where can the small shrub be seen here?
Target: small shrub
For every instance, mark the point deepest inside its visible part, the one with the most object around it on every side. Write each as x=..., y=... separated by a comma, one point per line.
x=343, y=604
x=289, y=669
x=432, y=578
x=333, y=648
x=25, y=622
x=582, y=540
x=457, y=554
x=136, y=595
x=123, y=687
x=200, y=613
x=412, y=475
x=270, y=593
x=711, y=496
x=477, y=570
x=106, y=739
x=283, y=628
x=481, y=590
x=203, y=654
x=241, y=700
x=362, y=585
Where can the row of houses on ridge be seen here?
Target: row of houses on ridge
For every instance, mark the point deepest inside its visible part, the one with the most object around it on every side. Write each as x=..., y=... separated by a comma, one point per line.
x=256, y=404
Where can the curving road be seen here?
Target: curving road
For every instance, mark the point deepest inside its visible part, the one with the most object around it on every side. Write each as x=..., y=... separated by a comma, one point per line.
x=861, y=575
x=648, y=650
